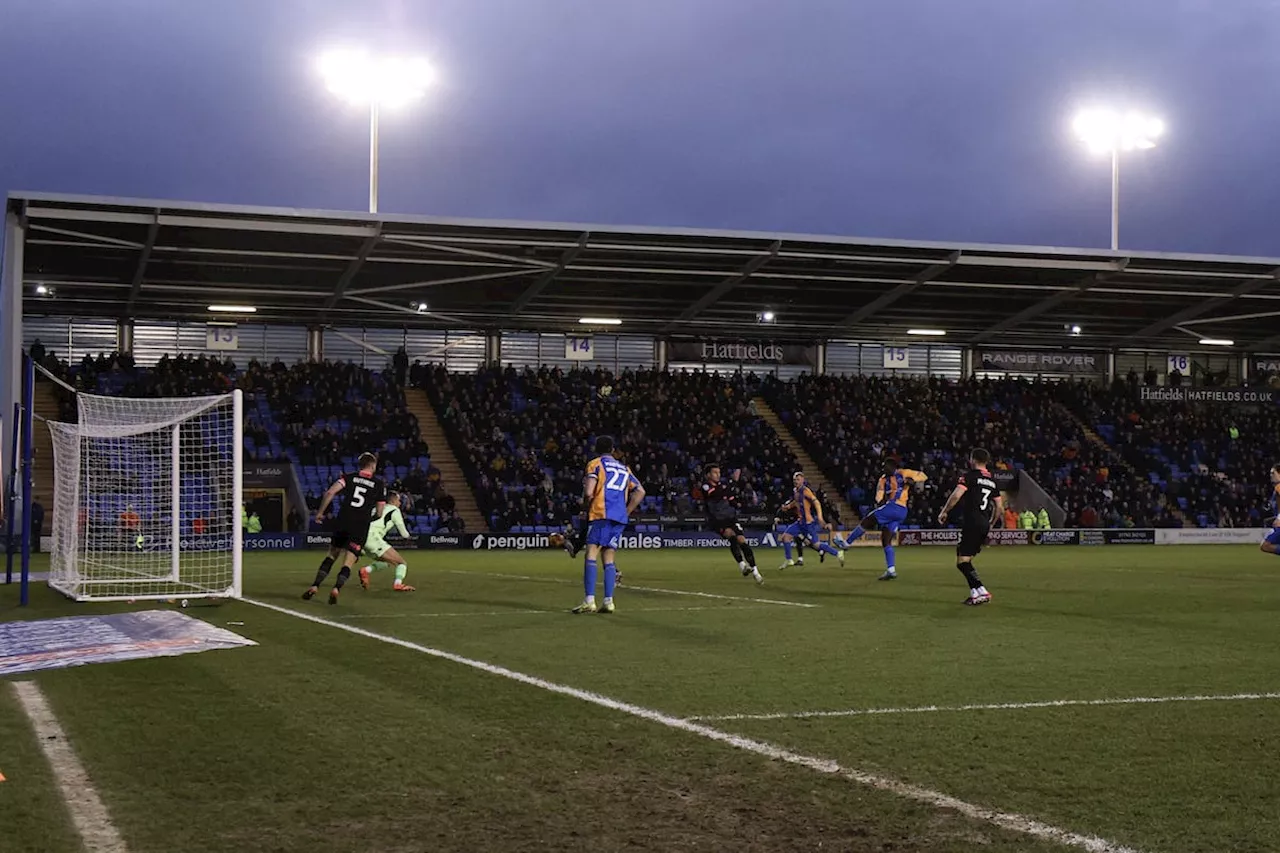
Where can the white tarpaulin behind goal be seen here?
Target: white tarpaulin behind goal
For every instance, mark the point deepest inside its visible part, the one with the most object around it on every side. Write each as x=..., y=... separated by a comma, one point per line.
x=147, y=498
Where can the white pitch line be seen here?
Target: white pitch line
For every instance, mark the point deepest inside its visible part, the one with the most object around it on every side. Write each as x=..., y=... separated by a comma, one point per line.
x=998, y=706
x=777, y=601
x=531, y=612
x=1006, y=820
x=89, y=815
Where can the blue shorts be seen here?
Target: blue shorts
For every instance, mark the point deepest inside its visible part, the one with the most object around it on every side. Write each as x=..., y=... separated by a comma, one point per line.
x=890, y=516
x=811, y=531
x=1274, y=536
x=605, y=533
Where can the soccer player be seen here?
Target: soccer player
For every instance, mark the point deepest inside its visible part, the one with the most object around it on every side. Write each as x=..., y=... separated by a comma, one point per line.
x=611, y=494
x=979, y=502
x=809, y=522
x=892, y=493
x=720, y=500
x=792, y=515
x=383, y=554
x=362, y=495
x=1271, y=545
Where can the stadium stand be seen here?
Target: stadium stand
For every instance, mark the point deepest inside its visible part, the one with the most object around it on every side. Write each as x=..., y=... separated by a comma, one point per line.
x=520, y=436
x=1209, y=462
x=523, y=436
x=849, y=424
x=320, y=416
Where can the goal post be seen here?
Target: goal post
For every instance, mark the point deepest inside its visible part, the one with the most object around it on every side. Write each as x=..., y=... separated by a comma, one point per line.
x=147, y=498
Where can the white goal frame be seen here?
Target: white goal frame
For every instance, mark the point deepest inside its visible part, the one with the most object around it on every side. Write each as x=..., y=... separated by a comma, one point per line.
x=112, y=432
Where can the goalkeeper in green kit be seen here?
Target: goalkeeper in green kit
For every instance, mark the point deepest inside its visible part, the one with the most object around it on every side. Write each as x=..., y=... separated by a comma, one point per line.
x=376, y=545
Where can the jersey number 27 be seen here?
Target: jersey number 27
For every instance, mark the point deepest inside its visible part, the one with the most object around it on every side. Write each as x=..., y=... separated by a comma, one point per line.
x=617, y=481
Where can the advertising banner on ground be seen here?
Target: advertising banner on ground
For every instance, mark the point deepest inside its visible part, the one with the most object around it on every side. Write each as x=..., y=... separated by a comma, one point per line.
x=952, y=537
x=630, y=541
x=1055, y=537
x=1129, y=537
x=1212, y=536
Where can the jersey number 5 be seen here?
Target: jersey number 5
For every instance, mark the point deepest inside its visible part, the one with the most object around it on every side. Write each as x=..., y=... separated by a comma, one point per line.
x=357, y=496
x=617, y=481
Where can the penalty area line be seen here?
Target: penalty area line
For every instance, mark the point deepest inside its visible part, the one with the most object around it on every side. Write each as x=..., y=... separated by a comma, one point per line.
x=1006, y=820
x=996, y=706
x=90, y=816
x=660, y=590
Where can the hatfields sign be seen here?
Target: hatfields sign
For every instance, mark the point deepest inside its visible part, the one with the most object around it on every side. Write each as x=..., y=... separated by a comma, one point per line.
x=709, y=350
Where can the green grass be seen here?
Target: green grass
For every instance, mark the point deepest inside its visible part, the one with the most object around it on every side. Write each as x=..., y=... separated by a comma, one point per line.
x=318, y=740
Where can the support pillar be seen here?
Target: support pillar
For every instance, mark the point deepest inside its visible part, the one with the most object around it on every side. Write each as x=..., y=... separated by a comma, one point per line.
x=11, y=327
x=315, y=344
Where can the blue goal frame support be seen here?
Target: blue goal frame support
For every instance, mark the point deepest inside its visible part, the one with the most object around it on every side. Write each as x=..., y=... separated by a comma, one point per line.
x=28, y=471
x=20, y=482
x=11, y=492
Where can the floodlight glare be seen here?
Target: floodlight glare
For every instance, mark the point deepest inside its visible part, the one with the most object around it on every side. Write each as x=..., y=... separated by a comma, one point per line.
x=932, y=333
x=361, y=79
x=600, y=321
x=768, y=317
x=374, y=83
x=1216, y=342
x=1075, y=330
x=1107, y=131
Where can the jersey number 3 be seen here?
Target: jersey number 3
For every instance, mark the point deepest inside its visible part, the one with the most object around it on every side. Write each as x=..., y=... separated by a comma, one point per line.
x=986, y=500
x=617, y=481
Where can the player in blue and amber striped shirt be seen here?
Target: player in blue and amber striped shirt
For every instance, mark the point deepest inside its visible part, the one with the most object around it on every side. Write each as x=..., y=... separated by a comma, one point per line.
x=809, y=522
x=611, y=494
x=892, y=493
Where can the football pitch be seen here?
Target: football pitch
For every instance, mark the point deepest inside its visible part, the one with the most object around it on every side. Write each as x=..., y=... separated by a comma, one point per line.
x=1111, y=698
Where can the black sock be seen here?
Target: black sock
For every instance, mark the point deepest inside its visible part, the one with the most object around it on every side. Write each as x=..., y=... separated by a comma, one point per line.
x=736, y=550
x=799, y=550
x=970, y=575
x=325, y=565
x=343, y=575
x=748, y=554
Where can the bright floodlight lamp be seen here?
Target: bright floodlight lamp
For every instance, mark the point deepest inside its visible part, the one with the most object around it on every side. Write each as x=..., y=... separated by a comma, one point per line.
x=375, y=82
x=1106, y=131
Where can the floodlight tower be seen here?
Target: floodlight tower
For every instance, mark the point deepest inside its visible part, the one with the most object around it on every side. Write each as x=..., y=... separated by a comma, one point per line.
x=1108, y=131
x=376, y=82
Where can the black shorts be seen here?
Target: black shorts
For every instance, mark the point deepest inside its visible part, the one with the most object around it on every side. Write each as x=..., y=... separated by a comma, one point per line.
x=720, y=525
x=344, y=541
x=972, y=538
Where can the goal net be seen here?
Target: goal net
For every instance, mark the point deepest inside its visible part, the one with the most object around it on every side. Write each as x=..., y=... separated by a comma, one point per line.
x=147, y=499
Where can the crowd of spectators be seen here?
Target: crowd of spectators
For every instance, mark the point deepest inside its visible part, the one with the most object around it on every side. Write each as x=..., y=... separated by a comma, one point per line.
x=1209, y=460
x=319, y=415
x=523, y=437
x=851, y=424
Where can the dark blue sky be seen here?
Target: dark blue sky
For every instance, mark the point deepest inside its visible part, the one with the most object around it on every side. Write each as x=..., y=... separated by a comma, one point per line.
x=915, y=119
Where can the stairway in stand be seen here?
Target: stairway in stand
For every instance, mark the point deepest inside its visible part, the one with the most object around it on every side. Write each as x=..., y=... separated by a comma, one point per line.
x=816, y=478
x=1117, y=460
x=451, y=476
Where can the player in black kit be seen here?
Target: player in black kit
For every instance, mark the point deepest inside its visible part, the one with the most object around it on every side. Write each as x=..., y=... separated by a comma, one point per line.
x=363, y=495
x=720, y=498
x=979, y=501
